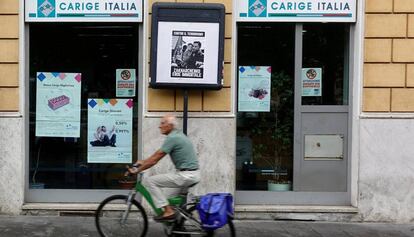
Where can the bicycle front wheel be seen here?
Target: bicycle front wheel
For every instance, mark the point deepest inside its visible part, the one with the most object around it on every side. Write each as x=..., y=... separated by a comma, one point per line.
x=115, y=218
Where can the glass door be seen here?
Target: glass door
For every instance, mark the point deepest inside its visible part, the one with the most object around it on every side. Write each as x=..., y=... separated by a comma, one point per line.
x=292, y=113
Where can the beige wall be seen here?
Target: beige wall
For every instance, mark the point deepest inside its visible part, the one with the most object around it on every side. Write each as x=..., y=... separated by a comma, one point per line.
x=388, y=71
x=172, y=100
x=9, y=55
x=389, y=56
x=158, y=100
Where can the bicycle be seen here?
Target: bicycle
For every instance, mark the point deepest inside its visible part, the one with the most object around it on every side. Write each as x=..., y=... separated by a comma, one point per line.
x=117, y=209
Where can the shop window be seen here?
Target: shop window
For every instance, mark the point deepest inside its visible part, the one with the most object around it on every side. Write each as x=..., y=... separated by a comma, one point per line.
x=95, y=51
x=265, y=138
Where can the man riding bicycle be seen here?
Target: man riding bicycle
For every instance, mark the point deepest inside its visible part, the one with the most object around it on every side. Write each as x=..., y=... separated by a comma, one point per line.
x=182, y=153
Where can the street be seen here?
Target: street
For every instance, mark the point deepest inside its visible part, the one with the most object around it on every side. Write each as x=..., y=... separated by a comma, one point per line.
x=84, y=226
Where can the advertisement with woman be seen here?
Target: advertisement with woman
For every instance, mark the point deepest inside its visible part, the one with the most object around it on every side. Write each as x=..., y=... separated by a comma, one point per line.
x=110, y=130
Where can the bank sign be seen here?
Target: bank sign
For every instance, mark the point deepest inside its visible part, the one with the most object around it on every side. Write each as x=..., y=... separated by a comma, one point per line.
x=83, y=10
x=297, y=10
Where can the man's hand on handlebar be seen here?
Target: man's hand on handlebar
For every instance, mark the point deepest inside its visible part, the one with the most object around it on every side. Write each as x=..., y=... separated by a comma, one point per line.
x=130, y=170
x=133, y=169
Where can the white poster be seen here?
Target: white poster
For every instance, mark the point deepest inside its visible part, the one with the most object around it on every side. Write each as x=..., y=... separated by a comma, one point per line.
x=254, y=88
x=110, y=130
x=187, y=52
x=311, y=81
x=58, y=104
x=125, y=82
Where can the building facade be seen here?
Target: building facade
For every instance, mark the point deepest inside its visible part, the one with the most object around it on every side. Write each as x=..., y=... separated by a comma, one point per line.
x=314, y=119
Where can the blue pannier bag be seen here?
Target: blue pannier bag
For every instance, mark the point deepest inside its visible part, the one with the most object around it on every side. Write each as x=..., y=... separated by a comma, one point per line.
x=214, y=209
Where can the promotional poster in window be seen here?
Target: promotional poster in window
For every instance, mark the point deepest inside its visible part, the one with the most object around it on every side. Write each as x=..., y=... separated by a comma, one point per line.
x=187, y=54
x=110, y=130
x=254, y=88
x=58, y=96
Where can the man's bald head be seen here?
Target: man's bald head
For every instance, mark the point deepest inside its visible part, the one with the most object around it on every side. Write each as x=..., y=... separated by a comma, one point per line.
x=167, y=124
x=171, y=119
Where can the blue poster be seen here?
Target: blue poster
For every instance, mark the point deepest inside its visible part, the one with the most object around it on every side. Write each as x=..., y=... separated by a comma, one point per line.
x=311, y=81
x=58, y=104
x=110, y=130
x=254, y=88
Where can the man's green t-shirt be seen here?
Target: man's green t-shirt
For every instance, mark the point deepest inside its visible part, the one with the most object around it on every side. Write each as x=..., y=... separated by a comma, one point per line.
x=181, y=150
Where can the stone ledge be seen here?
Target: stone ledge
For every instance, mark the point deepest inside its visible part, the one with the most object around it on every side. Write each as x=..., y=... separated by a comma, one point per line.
x=238, y=208
x=295, y=209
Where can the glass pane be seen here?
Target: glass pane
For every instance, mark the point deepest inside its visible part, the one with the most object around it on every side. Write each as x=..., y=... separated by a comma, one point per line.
x=265, y=139
x=325, y=48
x=96, y=51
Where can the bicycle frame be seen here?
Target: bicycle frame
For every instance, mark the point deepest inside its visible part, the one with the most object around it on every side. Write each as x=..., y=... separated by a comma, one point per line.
x=139, y=188
x=144, y=192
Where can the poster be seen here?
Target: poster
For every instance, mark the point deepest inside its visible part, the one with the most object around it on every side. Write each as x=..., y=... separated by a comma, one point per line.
x=187, y=50
x=58, y=104
x=254, y=88
x=110, y=130
x=311, y=81
x=125, y=82
x=187, y=53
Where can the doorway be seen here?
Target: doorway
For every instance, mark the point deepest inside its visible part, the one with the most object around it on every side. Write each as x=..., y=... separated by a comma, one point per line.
x=292, y=123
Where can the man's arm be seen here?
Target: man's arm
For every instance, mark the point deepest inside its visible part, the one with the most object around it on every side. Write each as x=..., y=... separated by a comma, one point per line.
x=147, y=163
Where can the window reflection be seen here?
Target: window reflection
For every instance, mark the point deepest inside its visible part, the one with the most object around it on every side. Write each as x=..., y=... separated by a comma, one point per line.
x=325, y=47
x=265, y=139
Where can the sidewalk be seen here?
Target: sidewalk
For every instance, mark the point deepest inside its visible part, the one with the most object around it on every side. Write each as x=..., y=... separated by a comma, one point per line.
x=84, y=226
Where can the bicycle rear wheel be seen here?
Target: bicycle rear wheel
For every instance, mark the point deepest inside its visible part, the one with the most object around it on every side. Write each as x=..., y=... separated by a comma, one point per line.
x=227, y=230
x=110, y=218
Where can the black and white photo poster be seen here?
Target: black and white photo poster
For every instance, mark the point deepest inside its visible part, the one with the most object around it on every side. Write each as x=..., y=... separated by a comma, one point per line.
x=187, y=52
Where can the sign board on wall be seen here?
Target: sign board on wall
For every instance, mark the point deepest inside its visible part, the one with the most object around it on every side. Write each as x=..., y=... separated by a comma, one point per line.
x=110, y=130
x=83, y=10
x=311, y=81
x=297, y=10
x=58, y=98
x=187, y=52
x=125, y=82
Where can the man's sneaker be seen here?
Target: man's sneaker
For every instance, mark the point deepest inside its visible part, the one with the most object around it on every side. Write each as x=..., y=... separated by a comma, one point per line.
x=161, y=218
